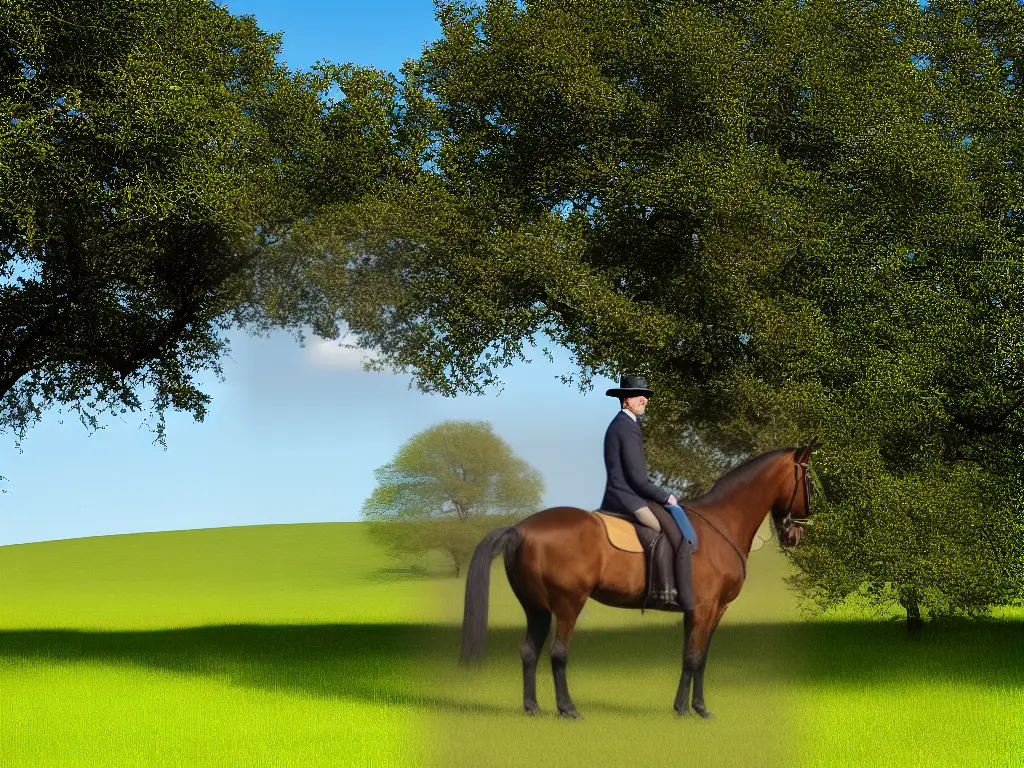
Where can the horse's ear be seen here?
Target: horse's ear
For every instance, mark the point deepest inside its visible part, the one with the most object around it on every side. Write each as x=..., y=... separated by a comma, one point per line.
x=804, y=454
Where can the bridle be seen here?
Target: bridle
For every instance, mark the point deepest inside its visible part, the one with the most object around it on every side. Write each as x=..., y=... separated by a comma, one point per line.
x=788, y=522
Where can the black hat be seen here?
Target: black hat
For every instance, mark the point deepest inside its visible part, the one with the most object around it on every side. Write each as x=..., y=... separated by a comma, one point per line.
x=631, y=386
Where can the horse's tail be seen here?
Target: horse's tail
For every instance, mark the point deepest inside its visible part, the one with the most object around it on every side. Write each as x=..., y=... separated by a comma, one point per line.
x=478, y=581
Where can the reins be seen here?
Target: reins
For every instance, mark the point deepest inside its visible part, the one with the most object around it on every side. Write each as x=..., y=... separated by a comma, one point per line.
x=787, y=521
x=743, y=557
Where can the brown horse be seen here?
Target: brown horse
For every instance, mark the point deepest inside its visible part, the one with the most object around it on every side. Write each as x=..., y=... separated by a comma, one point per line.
x=559, y=557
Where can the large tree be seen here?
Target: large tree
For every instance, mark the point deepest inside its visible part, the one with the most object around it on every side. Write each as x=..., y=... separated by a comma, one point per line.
x=445, y=487
x=792, y=217
x=157, y=168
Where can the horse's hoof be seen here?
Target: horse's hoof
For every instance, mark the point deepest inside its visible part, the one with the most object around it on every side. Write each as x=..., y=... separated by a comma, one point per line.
x=570, y=714
x=682, y=712
x=705, y=714
x=532, y=710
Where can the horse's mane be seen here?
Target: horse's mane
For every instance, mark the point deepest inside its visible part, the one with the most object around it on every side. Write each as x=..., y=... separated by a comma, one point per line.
x=740, y=475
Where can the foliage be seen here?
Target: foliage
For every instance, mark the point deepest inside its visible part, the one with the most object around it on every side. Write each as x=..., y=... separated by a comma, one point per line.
x=445, y=488
x=940, y=542
x=157, y=170
x=792, y=218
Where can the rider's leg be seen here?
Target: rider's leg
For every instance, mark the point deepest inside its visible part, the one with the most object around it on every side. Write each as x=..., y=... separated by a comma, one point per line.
x=661, y=558
x=683, y=566
x=666, y=524
x=645, y=516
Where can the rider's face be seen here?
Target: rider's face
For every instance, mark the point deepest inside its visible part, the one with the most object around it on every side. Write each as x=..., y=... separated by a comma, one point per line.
x=637, y=404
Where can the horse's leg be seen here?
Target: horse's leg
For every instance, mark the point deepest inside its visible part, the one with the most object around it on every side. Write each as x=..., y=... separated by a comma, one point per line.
x=701, y=660
x=538, y=624
x=567, y=610
x=682, y=702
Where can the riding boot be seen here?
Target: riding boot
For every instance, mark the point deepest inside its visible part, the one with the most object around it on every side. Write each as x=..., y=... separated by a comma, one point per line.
x=663, y=575
x=684, y=574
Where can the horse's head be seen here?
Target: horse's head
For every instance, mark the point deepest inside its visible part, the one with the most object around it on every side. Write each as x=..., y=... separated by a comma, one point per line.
x=790, y=520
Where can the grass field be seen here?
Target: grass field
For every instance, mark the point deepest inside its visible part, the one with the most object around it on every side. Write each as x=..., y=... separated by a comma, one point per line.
x=300, y=645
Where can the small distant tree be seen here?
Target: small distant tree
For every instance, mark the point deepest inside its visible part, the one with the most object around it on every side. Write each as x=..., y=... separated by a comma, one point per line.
x=444, y=488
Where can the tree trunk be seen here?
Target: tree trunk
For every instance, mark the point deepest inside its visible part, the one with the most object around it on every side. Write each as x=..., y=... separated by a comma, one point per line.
x=456, y=557
x=914, y=622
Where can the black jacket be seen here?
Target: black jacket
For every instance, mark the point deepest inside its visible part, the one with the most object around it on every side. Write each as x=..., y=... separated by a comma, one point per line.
x=628, y=484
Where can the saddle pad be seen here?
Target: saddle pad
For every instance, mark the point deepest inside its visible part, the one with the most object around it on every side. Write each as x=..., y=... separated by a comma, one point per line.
x=621, y=533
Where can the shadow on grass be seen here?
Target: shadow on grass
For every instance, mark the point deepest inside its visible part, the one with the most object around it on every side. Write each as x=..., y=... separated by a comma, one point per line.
x=400, y=573
x=416, y=665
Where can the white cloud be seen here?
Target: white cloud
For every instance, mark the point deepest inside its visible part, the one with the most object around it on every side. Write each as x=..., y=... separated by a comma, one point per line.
x=338, y=355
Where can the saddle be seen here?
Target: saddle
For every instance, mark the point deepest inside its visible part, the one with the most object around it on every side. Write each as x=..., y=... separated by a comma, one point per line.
x=629, y=536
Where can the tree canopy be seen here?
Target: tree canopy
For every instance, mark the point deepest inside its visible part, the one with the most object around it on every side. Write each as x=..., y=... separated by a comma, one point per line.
x=157, y=167
x=445, y=487
x=793, y=218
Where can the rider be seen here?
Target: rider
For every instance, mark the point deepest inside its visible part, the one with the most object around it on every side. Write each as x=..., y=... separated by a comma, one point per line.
x=630, y=491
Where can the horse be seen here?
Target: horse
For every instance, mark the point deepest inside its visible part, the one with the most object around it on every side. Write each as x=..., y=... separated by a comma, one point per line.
x=559, y=557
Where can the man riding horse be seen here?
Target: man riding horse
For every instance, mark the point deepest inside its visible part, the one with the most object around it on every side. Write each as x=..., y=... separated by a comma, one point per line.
x=629, y=490
x=558, y=559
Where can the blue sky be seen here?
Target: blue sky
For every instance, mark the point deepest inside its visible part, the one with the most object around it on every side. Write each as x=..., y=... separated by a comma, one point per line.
x=293, y=434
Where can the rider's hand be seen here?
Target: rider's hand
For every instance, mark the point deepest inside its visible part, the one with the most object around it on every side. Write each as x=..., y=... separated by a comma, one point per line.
x=672, y=500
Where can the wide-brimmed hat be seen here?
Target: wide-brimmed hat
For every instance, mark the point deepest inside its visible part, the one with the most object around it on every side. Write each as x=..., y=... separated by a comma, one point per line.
x=631, y=386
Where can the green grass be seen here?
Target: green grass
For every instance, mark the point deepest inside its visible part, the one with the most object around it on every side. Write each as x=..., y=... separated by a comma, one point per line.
x=300, y=645
x=274, y=574
x=271, y=645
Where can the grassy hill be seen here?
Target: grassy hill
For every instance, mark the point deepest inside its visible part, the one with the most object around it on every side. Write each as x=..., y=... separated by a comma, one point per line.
x=302, y=645
x=277, y=574
x=272, y=574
